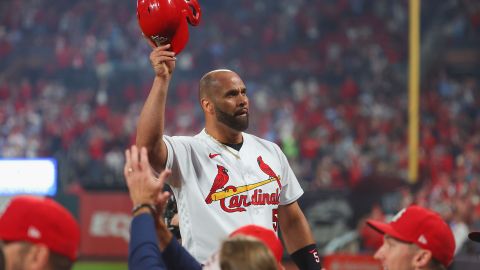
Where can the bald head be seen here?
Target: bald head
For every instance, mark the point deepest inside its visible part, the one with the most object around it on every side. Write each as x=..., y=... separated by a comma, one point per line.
x=212, y=80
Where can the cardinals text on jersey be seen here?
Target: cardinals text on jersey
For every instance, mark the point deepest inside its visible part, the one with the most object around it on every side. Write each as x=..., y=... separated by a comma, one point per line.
x=237, y=199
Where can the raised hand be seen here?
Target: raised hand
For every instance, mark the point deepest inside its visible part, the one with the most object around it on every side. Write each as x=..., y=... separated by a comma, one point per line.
x=162, y=60
x=143, y=187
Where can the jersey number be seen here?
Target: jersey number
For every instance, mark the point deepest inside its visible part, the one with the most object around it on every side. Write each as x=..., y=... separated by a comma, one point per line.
x=275, y=219
x=315, y=255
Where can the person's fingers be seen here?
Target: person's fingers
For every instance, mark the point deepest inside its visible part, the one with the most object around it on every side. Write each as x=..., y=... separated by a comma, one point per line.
x=128, y=164
x=161, y=53
x=160, y=181
x=164, y=175
x=163, y=196
x=170, y=59
x=162, y=60
x=144, y=164
x=134, y=158
x=175, y=221
x=161, y=200
x=163, y=48
x=159, y=60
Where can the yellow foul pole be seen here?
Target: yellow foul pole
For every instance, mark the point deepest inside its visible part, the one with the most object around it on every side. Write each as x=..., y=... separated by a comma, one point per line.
x=413, y=89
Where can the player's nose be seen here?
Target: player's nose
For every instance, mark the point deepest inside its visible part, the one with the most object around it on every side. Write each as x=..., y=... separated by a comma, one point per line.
x=243, y=101
x=379, y=254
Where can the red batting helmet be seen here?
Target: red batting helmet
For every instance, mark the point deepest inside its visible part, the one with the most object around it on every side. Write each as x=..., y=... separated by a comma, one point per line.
x=165, y=21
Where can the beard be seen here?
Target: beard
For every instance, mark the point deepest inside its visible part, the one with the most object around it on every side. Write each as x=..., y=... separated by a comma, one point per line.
x=236, y=122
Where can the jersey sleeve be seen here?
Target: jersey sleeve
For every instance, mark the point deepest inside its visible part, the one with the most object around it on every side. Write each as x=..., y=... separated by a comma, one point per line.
x=291, y=189
x=178, y=156
x=171, y=155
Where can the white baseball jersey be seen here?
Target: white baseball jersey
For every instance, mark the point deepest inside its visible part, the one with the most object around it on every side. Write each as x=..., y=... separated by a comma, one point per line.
x=219, y=189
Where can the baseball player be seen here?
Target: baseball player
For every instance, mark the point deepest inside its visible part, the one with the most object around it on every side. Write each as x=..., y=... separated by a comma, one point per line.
x=164, y=252
x=223, y=178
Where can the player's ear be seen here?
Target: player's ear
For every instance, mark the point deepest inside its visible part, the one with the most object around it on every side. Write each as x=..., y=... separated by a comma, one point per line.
x=37, y=256
x=421, y=258
x=207, y=106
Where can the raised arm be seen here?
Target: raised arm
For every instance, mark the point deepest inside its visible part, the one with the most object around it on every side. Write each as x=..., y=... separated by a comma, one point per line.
x=151, y=123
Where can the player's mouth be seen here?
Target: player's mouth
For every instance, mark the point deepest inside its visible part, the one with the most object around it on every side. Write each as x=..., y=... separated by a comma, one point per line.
x=242, y=112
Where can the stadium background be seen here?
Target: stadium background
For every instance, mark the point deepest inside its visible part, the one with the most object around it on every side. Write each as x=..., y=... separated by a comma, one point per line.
x=327, y=81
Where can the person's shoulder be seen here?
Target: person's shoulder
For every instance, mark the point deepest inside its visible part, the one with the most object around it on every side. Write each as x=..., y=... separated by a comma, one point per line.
x=260, y=140
x=186, y=138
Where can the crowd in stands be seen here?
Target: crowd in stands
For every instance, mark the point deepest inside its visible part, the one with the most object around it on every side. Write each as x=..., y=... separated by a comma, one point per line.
x=326, y=79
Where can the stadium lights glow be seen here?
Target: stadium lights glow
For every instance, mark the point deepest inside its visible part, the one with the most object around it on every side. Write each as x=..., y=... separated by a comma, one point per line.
x=28, y=176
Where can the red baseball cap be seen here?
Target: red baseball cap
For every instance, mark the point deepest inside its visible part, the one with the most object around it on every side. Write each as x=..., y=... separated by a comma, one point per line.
x=474, y=236
x=422, y=227
x=41, y=220
x=267, y=236
x=165, y=21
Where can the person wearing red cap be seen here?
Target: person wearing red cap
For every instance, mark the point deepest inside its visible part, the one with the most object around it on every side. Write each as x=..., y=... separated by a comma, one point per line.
x=266, y=236
x=416, y=238
x=251, y=246
x=38, y=233
x=241, y=252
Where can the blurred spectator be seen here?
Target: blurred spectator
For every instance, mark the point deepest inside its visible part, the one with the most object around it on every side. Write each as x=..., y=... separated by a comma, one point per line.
x=38, y=233
x=416, y=238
